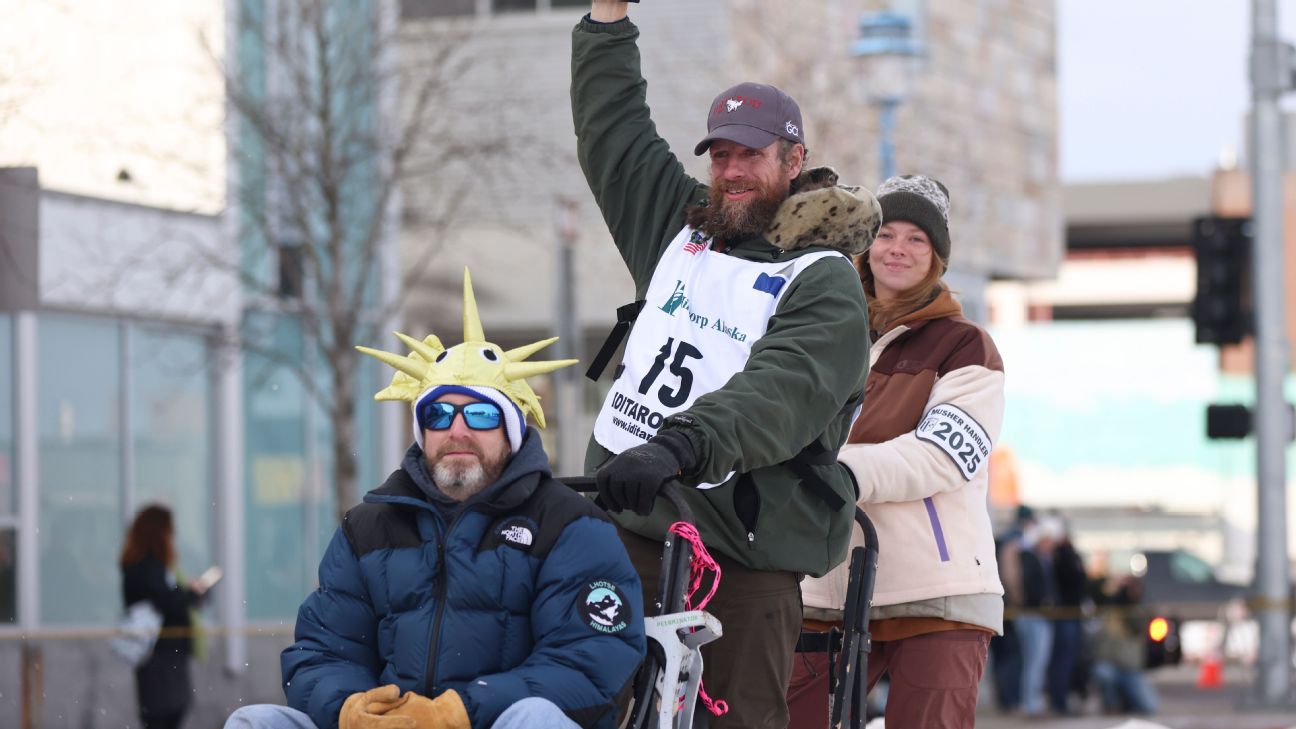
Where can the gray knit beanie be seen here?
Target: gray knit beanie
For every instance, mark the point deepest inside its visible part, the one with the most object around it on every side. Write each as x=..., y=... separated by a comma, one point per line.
x=923, y=201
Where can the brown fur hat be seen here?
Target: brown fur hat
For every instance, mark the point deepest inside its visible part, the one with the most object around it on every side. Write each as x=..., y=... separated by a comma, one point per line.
x=821, y=212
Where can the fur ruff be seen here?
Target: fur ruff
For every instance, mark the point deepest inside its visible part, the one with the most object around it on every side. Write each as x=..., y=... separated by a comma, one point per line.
x=819, y=212
x=822, y=213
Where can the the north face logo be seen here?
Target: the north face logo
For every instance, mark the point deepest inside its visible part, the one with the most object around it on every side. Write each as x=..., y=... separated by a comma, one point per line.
x=518, y=535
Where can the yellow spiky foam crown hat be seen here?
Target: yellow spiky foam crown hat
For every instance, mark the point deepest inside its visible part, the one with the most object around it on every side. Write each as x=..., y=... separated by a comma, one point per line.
x=475, y=367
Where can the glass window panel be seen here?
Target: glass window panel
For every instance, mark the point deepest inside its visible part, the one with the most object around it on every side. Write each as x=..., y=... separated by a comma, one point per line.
x=324, y=520
x=411, y=9
x=278, y=576
x=372, y=465
x=8, y=469
x=1186, y=567
x=171, y=434
x=508, y=6
x=78, y=417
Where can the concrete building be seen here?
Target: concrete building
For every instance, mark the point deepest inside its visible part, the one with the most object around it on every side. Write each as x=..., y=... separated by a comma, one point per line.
x=115, y=391
x=128, y=371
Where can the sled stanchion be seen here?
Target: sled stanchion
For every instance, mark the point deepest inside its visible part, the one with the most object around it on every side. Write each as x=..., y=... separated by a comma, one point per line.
x=848, y=698
x=668, y=683
x=673, y=587
x=678, y=641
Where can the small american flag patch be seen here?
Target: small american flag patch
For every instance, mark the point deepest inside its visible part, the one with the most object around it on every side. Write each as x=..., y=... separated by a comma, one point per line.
x=696, y=243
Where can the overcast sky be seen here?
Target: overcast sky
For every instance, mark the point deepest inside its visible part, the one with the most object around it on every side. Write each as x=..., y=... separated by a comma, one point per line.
x=1153, y=88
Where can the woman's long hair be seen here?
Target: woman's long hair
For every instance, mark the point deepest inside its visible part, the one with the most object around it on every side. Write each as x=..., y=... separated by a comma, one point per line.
x=150, y=535
x=882, y=313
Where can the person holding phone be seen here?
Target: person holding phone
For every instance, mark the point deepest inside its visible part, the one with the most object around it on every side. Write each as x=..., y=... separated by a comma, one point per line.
x=210, y=577
x=163, y=686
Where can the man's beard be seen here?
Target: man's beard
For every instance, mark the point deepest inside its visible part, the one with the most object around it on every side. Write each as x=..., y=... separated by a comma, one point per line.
x=461, y=481
x=729, y=220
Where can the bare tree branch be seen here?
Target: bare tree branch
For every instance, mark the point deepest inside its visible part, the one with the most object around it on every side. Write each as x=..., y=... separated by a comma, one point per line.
x=319, y=160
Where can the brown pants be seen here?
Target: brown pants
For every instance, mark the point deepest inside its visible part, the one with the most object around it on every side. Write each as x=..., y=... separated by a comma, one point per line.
x=750, y=665
x=934, y=680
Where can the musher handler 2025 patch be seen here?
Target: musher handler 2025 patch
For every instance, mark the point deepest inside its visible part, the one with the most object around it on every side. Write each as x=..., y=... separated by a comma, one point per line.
x=959, y=435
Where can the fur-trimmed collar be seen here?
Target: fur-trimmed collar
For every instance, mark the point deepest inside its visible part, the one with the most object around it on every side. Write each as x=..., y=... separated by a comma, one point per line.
x=822, y=213
x=818, y=212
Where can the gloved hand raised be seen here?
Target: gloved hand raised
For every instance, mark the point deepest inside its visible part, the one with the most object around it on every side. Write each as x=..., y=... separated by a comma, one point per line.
x=444, y=712
x=632, y=478
x=368, y=710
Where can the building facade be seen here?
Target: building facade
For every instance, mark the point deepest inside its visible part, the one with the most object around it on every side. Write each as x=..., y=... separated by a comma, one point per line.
x=114, y=393
x=146, y=356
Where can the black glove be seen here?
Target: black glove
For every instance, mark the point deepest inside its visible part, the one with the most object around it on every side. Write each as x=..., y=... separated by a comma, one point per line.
x=632, y=478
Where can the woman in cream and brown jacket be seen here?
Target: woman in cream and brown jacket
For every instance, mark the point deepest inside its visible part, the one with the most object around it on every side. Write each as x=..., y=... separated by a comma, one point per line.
x=920, y=450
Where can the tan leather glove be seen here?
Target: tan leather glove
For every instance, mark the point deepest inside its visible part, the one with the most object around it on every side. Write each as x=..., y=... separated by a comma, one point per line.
x=368, y=709
x=444, y=712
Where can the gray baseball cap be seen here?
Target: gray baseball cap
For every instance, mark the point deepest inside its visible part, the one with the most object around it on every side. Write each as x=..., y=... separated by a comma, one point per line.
x=752, y=115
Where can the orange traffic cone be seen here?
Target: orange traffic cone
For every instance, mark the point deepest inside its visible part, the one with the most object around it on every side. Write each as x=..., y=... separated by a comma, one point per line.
x=1211, y=674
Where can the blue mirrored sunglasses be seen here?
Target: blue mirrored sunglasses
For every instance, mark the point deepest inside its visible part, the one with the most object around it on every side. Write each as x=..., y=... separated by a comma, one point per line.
x=477, y=415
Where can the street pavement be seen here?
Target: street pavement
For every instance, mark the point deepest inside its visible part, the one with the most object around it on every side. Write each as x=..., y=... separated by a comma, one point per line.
x=1183, y=706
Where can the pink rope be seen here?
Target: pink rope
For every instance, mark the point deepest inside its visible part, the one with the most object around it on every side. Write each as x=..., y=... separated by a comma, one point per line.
x=701, y=564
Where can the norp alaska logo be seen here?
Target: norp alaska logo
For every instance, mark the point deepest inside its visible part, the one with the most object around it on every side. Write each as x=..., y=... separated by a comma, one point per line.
x=676, y=299
x=679, y=299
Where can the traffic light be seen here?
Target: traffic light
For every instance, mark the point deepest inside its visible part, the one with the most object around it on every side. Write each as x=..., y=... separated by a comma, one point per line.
x=1221, y=309
x=1228, y=421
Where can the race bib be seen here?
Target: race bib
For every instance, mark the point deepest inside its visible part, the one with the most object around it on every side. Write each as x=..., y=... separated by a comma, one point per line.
x=959, y=436
x=702, y=314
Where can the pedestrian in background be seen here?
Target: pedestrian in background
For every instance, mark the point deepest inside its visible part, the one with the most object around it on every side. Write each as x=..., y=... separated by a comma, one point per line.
x=1039, y=600
x=1005, y=649
x=933, y=407
x=163, y=686
x=1072, y=588
x=1120, y=653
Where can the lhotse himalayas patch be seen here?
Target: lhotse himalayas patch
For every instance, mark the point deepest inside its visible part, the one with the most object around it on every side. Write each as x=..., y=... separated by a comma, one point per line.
x=604, y=607
x=958, y=435
x=518, y=532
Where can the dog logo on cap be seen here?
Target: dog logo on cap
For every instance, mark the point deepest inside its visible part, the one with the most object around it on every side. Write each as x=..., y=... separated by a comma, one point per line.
x=731, y=104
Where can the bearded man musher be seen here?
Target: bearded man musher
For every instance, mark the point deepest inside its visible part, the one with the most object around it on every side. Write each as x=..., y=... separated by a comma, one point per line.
x=745, y=364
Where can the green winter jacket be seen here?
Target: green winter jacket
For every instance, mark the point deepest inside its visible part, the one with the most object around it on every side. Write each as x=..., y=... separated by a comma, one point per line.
x=805, y=377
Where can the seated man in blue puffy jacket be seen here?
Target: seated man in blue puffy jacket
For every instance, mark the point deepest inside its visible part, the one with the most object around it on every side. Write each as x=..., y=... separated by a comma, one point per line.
x=471, y=589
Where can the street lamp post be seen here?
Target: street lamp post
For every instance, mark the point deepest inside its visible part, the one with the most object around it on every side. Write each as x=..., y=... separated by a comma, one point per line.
x=887, y=52
x=886, y=135
x=567, y=383
x=1271, y=77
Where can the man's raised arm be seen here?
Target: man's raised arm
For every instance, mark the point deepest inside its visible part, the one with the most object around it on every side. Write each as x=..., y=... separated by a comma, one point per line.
x=608, y=11
x=639, y=185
